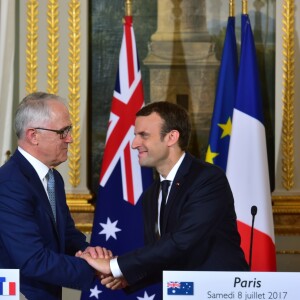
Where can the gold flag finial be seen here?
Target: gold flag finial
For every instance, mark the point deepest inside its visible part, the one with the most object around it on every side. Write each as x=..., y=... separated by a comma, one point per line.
x=128, y=8
x=231, y=8
x=244, y=7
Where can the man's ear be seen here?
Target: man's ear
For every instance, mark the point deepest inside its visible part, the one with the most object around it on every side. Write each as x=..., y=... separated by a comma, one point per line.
x=173, y=137
x=31, y=136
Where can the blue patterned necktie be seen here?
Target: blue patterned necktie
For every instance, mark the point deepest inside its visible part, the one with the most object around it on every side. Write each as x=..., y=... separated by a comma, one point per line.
x=51, y=191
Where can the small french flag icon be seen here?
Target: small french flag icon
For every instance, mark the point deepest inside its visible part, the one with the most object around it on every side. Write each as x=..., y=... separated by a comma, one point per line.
x=7, y=288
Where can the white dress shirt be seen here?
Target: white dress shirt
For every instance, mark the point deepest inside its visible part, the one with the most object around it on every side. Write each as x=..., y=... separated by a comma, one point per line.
x=39, y=167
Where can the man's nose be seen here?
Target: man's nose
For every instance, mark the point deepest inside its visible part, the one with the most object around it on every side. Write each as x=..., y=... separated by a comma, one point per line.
x=69, y=138
x=135, y=143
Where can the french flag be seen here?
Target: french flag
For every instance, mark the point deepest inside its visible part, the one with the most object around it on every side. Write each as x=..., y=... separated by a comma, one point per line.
x=247, y=166
x=7, y=288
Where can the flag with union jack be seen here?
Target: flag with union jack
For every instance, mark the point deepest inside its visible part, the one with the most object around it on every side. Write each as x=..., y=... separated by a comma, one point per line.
x=180, y=288
x=118, y=223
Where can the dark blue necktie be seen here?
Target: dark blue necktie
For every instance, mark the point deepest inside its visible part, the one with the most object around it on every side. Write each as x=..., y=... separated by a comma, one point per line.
x=164, y=193
x=51, y=191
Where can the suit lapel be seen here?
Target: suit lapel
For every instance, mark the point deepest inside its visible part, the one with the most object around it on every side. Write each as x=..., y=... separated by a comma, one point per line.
x=61, y=205
x=151, y=211
x=34, y=180
x=177, y=187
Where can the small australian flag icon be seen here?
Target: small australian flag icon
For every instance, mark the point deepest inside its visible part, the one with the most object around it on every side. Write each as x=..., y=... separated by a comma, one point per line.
x=180, y=288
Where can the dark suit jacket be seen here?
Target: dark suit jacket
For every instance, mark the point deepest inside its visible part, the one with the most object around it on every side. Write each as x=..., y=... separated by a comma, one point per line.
x=31, y=241
x=199, y=230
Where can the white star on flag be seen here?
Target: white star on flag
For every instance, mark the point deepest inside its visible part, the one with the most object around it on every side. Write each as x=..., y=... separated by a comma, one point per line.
x=95, y=292
x=146, y=297
x=109, y=229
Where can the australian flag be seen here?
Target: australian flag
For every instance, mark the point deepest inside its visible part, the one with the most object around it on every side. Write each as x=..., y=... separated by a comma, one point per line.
x=118, y=223
x=180, y=288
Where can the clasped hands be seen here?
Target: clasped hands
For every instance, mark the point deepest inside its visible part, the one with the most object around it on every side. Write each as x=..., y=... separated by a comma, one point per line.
x=99, y=259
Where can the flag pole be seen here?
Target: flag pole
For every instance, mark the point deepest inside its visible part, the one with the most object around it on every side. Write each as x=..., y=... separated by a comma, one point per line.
x=245, y=7
x=231, y=8
x=128, y=8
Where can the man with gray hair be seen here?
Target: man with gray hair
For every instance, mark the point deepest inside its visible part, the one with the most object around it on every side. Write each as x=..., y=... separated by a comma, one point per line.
x=37, y=232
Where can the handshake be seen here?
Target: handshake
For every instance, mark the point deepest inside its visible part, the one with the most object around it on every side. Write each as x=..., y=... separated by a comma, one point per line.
x=99, y=259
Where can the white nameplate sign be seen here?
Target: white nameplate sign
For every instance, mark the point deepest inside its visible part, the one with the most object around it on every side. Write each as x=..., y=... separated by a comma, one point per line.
x=181, y=285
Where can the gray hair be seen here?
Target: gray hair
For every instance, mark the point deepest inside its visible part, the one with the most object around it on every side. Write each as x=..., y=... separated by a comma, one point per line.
x=33, y=111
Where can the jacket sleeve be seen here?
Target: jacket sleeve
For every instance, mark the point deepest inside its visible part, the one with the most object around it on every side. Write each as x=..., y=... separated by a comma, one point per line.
x=203, y=206
x=27, y=241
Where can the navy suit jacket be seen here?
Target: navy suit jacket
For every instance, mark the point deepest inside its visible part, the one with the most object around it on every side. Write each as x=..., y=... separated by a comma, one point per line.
x=31, y=241
x=199, y=230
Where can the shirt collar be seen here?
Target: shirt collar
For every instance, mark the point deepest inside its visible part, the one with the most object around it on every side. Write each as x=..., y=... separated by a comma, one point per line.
x=174, y=170
x=39, y=167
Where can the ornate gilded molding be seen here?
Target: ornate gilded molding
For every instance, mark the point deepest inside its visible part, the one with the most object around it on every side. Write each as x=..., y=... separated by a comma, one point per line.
x=81, y=205
x=80, y=202
x=82, y=211
x=74, y=90
x=286, y=213
x=31, y=46
x=53, y=36
x=288, y=252
x=288, y=94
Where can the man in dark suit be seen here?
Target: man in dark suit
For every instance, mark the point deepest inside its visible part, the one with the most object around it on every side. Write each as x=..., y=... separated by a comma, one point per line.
x=36, y=238
x=198, y=229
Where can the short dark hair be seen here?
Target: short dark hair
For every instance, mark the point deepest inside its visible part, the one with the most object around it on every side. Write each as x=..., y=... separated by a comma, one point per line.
x=174, y=116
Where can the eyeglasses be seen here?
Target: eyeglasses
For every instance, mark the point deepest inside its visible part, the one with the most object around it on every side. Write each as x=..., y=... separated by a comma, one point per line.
x=62, y=132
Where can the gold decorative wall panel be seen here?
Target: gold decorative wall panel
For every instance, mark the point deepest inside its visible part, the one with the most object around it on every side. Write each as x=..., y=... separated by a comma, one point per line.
x=74, y=90
x=286, y=212
x=288, y=94
x=53, y=42
x=54, y=52
x=286, y=199
x=31, y=46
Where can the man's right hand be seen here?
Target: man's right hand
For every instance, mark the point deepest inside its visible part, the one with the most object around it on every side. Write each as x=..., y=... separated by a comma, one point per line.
x=114, y=283
x=96, y=252
x=100, y=264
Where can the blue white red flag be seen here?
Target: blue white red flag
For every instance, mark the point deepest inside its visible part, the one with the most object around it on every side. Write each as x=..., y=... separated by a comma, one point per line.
x=7, y=288
x=180, y=288
x=247, y=166
x=118, y=223
x=220, y=130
